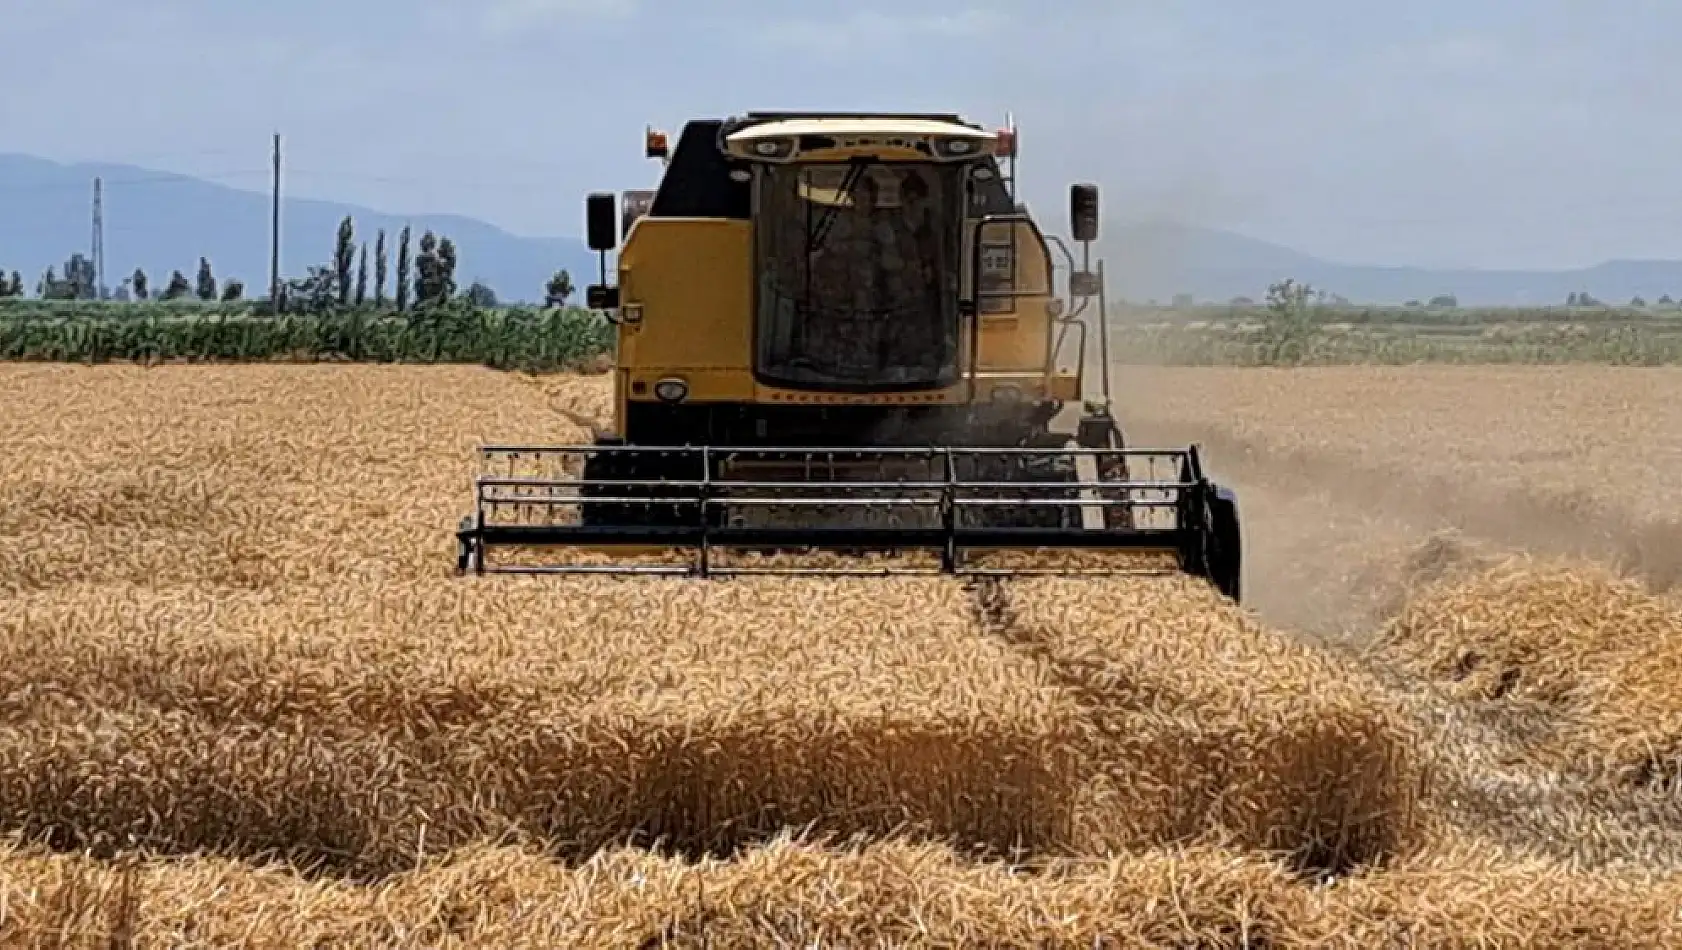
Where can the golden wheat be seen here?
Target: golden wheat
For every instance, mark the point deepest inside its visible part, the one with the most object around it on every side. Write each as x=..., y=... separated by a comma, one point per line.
x=1525, y=629
x=352, y=722
x=228, y=623
x=1590, y=434
x=785, y=894
x=1593, y=652
x=791, y=894
x=302, y=631
x=1474, y=897
x=1206, y=723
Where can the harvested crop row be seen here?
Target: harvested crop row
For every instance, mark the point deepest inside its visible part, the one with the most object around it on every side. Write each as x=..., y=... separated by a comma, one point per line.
x=1597, y=653
x=1203, y=722
x=349, y=727
x=353, y=728
x=786, y=894
x=1524, y=630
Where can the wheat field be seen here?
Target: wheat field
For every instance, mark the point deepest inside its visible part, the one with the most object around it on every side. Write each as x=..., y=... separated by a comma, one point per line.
x=244, y=700
x=1355, y=467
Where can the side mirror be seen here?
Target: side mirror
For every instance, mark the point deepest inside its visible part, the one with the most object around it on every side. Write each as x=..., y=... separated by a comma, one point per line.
x=601, y=221
x=634, y=205
x=601, y=297
x=1083, y=212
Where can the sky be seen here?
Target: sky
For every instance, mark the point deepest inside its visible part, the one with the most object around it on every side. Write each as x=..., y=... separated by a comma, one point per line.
x=1484, y=133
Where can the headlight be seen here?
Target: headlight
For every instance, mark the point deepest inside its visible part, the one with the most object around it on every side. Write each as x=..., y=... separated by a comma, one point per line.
x=671, y=390
x=956, y=147
x=774, y=148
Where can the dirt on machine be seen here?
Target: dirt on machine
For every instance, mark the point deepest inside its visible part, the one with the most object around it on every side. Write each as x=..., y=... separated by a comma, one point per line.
x=841, y=348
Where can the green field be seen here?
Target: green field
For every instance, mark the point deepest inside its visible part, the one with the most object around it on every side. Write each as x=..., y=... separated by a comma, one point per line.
x=502, y=337
x=532, y=338
x=1327, y=335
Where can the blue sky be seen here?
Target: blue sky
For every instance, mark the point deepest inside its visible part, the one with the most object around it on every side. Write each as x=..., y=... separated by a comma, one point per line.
x=1545, y=133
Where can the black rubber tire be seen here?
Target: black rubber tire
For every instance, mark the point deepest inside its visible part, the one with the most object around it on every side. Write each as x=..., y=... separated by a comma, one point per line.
x=1226, y=546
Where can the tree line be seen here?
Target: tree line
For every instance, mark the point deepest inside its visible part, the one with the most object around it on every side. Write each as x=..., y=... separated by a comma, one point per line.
x=424, y=279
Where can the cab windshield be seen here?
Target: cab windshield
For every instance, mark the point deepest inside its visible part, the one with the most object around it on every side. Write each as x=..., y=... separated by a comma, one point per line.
x=859, y=270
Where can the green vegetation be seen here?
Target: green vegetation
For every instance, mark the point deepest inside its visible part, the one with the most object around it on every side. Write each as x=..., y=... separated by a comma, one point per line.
x=331, y=313
x=188, y=329
x=1226, y=346
x=340, y=284
x=1297, y=327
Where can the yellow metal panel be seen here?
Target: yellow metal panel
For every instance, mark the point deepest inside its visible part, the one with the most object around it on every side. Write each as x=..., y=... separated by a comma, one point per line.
x=1016, y=339
x=1031, y=383
x=1065, y=385
x=693, y=279
x=621, y=393
x=705, y=385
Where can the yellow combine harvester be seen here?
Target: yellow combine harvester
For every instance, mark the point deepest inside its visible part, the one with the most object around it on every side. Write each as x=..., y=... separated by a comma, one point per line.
x=840, y=333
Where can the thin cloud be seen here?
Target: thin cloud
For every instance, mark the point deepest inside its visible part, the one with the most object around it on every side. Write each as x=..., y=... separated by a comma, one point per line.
x=875, y=28
x=509, y=16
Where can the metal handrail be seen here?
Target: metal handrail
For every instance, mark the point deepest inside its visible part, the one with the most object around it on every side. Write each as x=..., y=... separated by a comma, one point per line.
x=891, y=450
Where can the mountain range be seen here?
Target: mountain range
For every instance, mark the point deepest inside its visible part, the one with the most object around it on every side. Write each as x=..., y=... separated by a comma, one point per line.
x=159, y=221
x=1157, y=261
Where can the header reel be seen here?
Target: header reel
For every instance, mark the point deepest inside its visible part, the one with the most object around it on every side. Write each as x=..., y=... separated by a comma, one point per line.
x=704, y=511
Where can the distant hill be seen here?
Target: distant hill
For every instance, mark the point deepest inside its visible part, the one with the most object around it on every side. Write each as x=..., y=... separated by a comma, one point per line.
x=162, y=222
x=1157, y=261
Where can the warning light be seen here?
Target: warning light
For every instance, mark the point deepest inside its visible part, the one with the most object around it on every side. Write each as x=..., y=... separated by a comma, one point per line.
x=1006, y=147
x=655, y=144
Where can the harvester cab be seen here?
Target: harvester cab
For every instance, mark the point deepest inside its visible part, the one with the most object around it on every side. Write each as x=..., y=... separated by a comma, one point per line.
x=840, y=348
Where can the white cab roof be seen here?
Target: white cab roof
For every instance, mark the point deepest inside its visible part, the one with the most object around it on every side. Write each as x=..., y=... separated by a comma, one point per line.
x=885, y=126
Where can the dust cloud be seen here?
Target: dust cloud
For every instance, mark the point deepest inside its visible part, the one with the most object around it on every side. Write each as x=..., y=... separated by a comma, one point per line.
x=1332, y=543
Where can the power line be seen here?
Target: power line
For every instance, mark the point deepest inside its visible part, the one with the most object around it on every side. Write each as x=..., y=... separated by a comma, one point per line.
x=98, y=248
x=274, y=231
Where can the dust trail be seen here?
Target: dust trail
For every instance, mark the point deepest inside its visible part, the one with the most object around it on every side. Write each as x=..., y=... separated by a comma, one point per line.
x=1327, y=536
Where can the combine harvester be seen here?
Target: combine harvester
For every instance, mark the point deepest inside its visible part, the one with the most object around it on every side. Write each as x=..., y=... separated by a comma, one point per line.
x=839, y=335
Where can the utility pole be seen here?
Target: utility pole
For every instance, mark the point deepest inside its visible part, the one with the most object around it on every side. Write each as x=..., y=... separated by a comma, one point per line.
x=274, y=232
x=97, y=250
